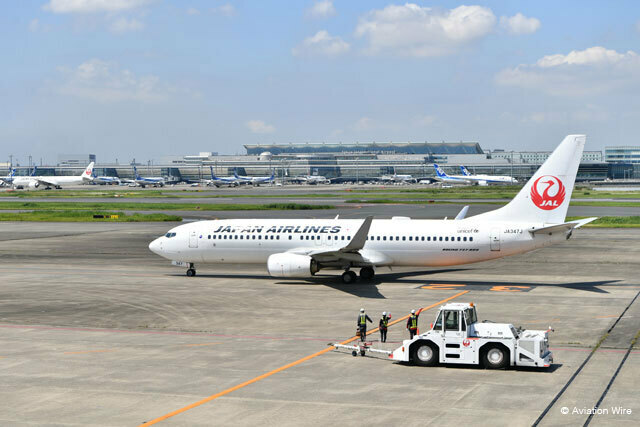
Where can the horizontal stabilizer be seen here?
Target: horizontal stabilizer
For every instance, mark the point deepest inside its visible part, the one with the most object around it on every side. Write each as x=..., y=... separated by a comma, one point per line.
x=562, y=227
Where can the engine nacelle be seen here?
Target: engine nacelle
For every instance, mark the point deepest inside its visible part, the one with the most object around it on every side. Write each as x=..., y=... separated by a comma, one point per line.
x=483, y=183
x=291, y=265
x=34, y=184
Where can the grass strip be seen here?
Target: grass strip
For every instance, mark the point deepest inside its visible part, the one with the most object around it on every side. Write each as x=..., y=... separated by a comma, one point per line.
x=611, y=221
x=135, y=206
x=84, y=216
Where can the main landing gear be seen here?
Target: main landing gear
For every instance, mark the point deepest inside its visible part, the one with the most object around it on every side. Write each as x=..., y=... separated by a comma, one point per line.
x=366, y=273
x=191, y=271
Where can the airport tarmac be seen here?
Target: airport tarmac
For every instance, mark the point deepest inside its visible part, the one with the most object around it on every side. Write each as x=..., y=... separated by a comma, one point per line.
x=97, y=330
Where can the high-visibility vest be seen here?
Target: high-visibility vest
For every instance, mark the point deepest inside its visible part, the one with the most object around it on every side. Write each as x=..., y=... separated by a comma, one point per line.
x=385, y=321
x=363, y=319
x=414, y=321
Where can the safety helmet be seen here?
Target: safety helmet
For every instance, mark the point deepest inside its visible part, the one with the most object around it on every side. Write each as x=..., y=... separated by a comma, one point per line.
x=384, y=313
x=362, y=310
x=413, y=312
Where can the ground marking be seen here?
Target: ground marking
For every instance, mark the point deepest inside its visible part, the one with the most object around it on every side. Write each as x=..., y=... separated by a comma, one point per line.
x=282, y=368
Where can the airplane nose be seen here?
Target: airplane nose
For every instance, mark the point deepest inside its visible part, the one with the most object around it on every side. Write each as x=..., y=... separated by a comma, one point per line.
x=156, y=246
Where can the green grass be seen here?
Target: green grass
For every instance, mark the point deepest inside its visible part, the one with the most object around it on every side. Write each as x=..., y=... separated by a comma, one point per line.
x=83, y=216
x=135, y=206
x=611, y=221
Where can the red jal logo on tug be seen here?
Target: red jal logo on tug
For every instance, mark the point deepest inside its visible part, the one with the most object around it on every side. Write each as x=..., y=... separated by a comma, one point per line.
x=548, y=184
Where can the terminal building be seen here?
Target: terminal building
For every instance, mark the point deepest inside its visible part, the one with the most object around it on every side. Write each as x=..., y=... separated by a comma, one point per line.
x=360, y=161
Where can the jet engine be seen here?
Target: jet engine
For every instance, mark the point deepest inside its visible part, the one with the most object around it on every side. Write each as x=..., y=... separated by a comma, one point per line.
x=291, y=265
x=482, y=183
x=34, y=184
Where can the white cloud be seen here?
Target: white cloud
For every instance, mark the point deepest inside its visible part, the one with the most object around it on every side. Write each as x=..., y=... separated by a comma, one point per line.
x=34, y=25
x=93, y=6
x=322, y=43
x=426, y=120
x=593, y=70
x=322, y=9
x=226, y=9
x=519, y=24
x=124, y=25
x=259, y=126
x=104, y=82
x=592, y=56
x=412, y=30
x=364, y=123
x=193, y=11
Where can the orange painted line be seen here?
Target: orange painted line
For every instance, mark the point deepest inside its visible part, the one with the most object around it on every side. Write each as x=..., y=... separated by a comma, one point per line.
x=606, y=317
x=280, y=369
x=205, y=343
x=88, y=351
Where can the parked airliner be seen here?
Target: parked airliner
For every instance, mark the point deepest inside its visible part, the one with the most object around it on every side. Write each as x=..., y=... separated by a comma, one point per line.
x=535, y=218
x=53, y=181
x=488, y=179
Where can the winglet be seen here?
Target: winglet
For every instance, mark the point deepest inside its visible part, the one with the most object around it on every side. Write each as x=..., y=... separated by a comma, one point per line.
x=463, y=213
x=360, y=238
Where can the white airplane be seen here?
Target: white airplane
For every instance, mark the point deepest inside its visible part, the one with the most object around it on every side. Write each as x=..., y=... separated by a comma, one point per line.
x=144, y=181
x=450, y=179
x=255, y=180
x=311, y=179
x=221, y=180
x=488, y=179
x=105, y=180
x=535, y=218
x=8, y=180
x=53, y=181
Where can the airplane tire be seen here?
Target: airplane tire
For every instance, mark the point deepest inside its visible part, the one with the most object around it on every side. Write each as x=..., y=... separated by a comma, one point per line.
x=348, y=277
x=367, y=273
x=191, y=272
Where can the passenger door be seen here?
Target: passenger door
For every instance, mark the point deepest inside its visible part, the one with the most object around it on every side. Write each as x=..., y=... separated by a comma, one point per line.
x=193, y=239
x=495, y=239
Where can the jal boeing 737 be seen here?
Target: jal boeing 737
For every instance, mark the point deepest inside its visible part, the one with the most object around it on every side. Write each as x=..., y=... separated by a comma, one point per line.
x=535, y=218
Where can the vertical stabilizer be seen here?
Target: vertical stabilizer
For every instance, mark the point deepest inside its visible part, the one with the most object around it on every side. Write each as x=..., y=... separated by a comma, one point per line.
x=545, y=197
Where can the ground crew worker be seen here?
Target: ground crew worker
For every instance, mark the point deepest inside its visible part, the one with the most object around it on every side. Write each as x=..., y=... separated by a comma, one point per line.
x=384, y=323
x=362, y=324
x=412, y=323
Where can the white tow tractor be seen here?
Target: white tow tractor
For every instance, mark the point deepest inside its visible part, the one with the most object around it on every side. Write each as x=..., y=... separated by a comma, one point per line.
x=457, y=337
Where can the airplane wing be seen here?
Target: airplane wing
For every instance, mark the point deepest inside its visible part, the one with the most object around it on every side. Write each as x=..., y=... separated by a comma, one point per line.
x=353, y=252
x=45, y=182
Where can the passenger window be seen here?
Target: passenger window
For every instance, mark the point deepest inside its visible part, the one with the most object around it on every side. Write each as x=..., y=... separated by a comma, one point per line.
x=384, y=237
x=378, y=238
x=397, y=238
x=411, y=238
x=451, y=321
x=404, y=238
x=260, y=237
x=458, y=238
x=471, y=239
x=253, y=237
x=209, y=237
x=446, y=239
x=277, y=237
x=440, y=238
x=289, y=237
x=464, y=239
x=428, y=238
x=312, y=237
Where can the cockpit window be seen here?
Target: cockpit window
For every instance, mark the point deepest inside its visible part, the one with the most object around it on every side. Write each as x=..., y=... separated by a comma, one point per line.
x=169, y=235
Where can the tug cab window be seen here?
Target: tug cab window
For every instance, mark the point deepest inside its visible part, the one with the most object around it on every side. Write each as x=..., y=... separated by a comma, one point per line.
x=438, y=325
x=451, y=321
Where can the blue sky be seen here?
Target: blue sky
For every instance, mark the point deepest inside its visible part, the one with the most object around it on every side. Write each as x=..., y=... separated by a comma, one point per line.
x=145, y=78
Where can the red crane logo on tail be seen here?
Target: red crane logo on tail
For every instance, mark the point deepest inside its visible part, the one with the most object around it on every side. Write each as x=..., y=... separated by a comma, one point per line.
x=548, y=184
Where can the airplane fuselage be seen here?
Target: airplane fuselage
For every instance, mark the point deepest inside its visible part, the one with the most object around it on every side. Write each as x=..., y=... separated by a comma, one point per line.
x=390, y=242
